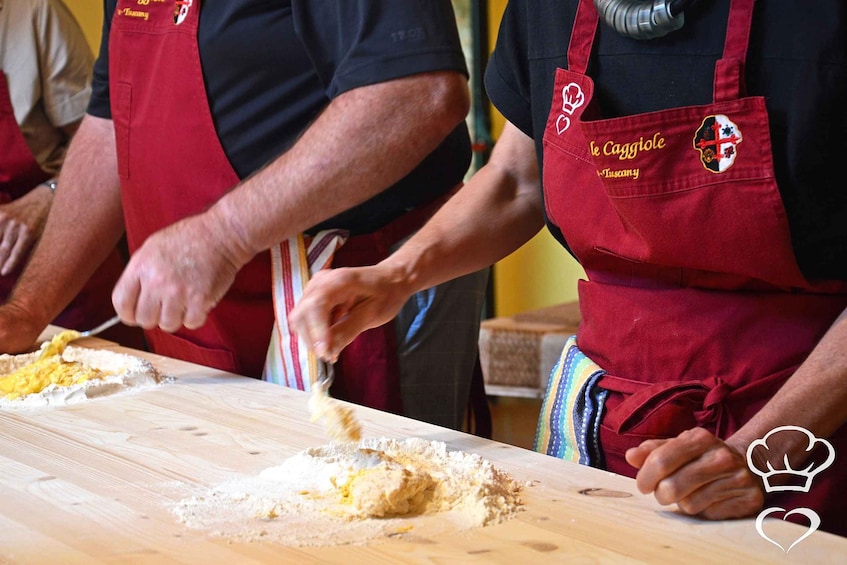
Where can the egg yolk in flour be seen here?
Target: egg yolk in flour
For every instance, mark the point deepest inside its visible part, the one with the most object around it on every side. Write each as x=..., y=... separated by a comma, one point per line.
x=48, y=369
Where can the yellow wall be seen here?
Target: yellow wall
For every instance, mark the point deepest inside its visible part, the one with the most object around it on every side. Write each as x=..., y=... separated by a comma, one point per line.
x=541, y=272
x=538, y=274
x=89, y=14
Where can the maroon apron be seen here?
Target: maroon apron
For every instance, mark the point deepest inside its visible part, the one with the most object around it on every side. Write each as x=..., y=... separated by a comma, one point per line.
x=694, y=302
x=172, y=165
x=19, y=174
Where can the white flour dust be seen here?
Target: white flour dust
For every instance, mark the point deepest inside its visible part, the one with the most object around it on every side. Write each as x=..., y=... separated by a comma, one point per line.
x=351, y=493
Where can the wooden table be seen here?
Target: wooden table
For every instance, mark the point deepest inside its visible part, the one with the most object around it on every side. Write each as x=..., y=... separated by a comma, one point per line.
x=92, y=483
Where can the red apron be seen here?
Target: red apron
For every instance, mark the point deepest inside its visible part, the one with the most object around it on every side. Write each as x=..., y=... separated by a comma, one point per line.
x=172, y=165
x=19, y=174
x=694, y=302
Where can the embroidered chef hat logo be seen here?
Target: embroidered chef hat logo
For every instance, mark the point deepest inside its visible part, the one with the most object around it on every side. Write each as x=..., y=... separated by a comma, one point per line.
x=181, y=8
x=572, y=98
x=779, y=474
x=717, y=140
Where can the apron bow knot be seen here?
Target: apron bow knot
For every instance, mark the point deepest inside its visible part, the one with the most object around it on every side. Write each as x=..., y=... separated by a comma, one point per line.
x=648, y=399
x=712, y=412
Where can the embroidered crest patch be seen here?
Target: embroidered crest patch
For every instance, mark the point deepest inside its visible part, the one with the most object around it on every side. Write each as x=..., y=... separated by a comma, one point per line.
x=717, y=139
x=181, y=8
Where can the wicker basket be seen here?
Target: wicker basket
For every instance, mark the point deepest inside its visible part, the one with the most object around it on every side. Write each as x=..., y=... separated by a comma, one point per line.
x=520, y=351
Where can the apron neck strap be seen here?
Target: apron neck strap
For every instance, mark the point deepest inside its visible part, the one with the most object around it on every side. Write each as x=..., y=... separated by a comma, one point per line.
x=729, y=71
x=582, y=36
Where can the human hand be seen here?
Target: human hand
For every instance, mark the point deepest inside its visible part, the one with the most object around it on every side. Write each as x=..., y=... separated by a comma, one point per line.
x=177, y=276
x=339, y=304
x=18, y=329
x=703, y=475
x=21, y=224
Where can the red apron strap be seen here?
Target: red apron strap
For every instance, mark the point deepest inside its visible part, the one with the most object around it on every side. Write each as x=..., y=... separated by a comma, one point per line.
x=582, y=36
x=729, y=70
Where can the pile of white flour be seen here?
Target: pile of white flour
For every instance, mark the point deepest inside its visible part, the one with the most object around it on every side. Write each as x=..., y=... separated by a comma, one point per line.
x=126, y=372
x=354, y=492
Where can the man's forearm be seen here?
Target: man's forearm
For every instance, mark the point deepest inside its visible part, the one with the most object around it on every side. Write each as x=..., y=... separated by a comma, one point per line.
x=84, y=224
x=492, y=215
x=814, y=398
x=495, y=213
x=366, y=140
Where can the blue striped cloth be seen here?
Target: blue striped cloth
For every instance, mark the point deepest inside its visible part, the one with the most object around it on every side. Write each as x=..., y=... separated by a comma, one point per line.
x=569, y=423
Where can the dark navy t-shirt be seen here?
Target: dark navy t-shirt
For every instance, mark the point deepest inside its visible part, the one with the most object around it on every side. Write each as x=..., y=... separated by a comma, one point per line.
x=797, y=60
x=271, y=66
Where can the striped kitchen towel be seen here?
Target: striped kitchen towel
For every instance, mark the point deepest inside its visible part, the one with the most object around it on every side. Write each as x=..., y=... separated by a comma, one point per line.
x=293, y=262
x=569, y=423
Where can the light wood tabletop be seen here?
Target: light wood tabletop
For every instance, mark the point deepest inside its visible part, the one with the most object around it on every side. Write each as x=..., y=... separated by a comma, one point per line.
x=95, y=482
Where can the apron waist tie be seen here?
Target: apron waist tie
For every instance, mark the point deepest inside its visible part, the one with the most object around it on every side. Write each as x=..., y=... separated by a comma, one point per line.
x=643, y=399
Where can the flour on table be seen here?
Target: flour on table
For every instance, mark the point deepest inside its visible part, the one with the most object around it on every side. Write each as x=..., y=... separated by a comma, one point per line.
x=122, y=372
x=349, y=493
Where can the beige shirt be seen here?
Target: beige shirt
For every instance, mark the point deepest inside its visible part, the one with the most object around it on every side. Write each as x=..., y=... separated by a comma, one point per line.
x=48, y=66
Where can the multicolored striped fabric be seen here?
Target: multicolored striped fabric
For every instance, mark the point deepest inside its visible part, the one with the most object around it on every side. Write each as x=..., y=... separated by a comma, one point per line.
x=568, y=427
x=293, y=263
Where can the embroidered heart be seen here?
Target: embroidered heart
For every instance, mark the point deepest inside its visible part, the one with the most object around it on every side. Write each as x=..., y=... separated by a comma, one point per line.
x=562, y=123
x=814, y=523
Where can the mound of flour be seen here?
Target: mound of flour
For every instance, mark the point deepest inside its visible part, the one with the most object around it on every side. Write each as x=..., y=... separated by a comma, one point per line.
x=350, y=493
x=124, y=372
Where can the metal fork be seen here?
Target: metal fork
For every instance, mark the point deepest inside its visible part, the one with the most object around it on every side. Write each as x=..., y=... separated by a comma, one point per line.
x=101, y=328
x=53, y=347
x=326, y=374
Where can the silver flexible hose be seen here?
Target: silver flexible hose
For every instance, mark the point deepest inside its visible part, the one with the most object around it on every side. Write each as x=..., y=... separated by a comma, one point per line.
x=639, y=19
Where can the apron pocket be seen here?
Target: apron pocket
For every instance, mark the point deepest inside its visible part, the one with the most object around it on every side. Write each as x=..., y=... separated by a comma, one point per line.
x=178, y=347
